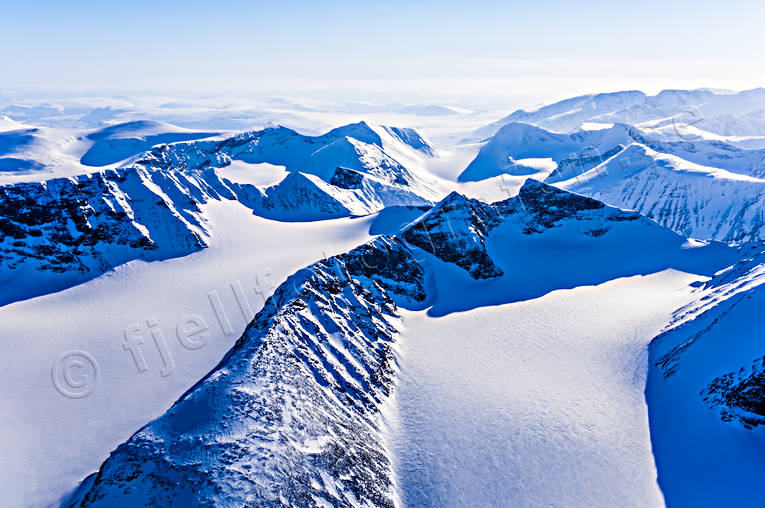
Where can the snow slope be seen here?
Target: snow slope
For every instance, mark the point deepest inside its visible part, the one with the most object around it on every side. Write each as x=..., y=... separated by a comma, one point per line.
x=169, y=202
x=305, y=387
x=705, y=393
x=507, y=151
x=566, y=115
x=699, y=108
x=704, y=188
x=51, y=442
x=575, y=153
x=63, y=231
x=468, y=357
x=536, y=403
x=118, y=142
x=697, y=201
x=290, y=415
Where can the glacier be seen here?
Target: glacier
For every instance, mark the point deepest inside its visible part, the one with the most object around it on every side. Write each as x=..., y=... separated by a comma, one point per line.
x=556, y=307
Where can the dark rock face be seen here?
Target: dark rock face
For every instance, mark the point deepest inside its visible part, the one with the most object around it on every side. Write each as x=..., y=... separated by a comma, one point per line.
x=285, y=147
x=739, y=396
x=92, y=222
x=455, y=231
x=547, y=205
x=78, y=228
x=290, y=416
x=347, y=178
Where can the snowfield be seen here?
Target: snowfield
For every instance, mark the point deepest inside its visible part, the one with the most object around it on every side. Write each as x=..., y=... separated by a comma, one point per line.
x=63, y=440
x=201, y=305
x=535, y=403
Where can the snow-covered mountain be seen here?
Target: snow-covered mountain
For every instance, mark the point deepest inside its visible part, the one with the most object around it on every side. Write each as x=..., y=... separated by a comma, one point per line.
x=709, y=111
x=697, y=201
x=462, y=353
x=705, y=189
x=518, y=147
x=118, y=142
x=30, y=153
x=292, y=415
x=62, y=231
x=705, y=392
x=515, y=149
x=26, y=149
x=567, y=114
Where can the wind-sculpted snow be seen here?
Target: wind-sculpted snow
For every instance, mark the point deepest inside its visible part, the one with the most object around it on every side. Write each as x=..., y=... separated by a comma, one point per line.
x=290, y=417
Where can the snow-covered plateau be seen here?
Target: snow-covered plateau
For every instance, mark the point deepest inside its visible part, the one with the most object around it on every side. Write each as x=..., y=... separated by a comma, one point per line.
x=317, y=304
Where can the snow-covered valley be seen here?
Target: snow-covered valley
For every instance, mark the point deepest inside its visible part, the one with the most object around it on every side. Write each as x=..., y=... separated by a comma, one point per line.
x=51, y=442
x=535, y=403
x=413, y=306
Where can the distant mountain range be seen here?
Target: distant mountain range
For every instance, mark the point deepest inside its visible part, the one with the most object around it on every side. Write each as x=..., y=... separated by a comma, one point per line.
x=62, y=231
x=707, y=189
x=616, y=192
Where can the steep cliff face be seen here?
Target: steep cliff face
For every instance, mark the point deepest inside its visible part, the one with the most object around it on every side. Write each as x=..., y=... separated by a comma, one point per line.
x=77, y=228
x=704, y=188
x=697, y=201
x=355, y=146
x=457, y=229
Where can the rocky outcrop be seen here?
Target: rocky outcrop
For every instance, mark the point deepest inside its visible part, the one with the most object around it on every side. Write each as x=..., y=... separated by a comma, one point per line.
x=81, y=227
x=739, y=396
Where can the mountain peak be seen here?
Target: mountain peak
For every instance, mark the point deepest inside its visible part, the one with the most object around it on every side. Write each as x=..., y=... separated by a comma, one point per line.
x=360, y=131
x=454, y=230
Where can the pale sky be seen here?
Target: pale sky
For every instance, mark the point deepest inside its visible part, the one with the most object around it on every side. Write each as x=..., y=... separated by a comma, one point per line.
x=438, y=49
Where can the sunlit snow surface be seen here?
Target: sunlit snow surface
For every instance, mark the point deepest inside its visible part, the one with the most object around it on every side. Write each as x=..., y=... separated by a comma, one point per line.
x=50, y=442
x=535, y=403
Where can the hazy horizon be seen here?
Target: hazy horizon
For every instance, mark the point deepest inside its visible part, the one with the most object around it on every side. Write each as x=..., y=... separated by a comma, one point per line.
x=447, y=51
